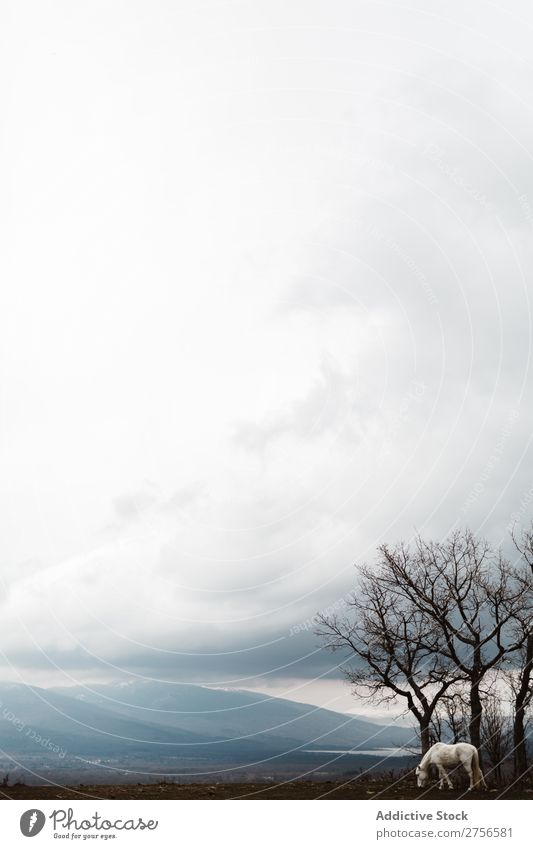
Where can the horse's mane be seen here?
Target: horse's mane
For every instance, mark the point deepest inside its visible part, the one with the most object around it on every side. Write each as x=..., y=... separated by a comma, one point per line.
x=424, y=762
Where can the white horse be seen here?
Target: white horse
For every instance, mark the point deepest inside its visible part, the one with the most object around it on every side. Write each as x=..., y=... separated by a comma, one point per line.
x=451, y=755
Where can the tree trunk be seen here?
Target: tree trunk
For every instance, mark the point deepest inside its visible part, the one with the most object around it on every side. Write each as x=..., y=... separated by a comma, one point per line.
x=519, y=740
x=519, y=743
x=425, y=734
x=476, y=710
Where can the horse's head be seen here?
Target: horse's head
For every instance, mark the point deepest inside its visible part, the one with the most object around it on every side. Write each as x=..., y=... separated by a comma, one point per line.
x=421, y=776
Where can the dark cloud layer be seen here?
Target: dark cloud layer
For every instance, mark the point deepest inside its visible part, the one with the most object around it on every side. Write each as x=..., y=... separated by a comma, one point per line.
x=300, y=325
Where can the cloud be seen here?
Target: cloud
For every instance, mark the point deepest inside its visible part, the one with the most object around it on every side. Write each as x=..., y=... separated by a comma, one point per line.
x=276, y=311
x=130, y=505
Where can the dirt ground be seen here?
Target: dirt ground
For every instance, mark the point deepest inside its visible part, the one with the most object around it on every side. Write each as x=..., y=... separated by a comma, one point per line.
x=349, y=789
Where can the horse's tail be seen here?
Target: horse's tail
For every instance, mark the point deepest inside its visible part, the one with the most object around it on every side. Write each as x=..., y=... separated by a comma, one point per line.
x=479, y=781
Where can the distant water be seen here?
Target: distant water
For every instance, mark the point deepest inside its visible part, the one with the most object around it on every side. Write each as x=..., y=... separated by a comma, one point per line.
x=378, y=753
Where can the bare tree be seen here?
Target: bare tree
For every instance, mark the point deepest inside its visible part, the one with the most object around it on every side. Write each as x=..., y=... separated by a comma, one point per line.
x=523, y=697
x=395, y=650
x=472, y=595
x=451, y=717
x=496, y=731
x=522, y=680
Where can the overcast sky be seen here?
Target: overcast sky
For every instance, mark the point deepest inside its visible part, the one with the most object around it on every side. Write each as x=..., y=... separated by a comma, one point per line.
x=266, y=304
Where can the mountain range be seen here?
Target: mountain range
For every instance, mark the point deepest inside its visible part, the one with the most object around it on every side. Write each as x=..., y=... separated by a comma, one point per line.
x=140, y=721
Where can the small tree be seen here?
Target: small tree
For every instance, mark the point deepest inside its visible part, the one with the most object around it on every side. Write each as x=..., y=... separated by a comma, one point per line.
x=496, y=731
x=395, y=651
x=451, y=717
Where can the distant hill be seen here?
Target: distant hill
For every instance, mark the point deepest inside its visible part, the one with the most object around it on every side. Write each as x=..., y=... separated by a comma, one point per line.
x=139, y=716
x=33, y=719
x=138, y=731
x=225, y=714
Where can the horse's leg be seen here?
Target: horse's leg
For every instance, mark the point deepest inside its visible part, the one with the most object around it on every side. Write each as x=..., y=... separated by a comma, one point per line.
x=468, y=767
x=443, y=775
x=477, y=779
